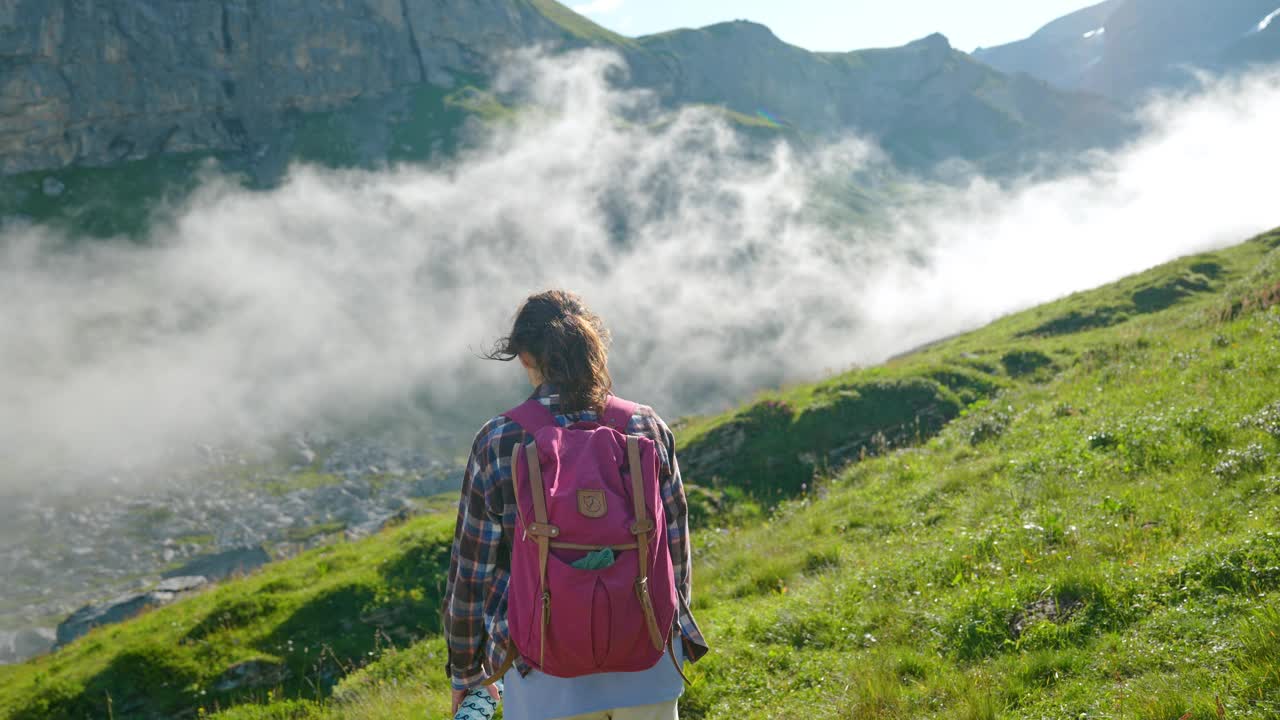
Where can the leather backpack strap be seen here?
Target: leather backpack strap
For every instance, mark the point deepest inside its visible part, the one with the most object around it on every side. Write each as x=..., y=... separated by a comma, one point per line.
x=643, y=527
x=617, y=413
x=512, y=653
x=532, y=416
x=507, y=663
x=542, y=532
x=540, y=529
x=671, y=653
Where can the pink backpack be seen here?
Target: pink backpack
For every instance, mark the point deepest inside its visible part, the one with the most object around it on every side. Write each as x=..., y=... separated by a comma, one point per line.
x=580, y=489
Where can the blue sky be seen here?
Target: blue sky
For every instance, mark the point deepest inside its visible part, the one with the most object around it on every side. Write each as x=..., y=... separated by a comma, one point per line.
x=841, y=24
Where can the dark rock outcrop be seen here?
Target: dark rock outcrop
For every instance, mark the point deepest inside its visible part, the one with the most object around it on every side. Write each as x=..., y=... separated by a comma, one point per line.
x=251, y=674
x=124, y=607
x=223, y=565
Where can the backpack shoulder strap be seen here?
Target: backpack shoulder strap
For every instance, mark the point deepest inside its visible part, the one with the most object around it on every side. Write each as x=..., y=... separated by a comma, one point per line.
x=531, y=415
x=642, y=528
x=618, y=412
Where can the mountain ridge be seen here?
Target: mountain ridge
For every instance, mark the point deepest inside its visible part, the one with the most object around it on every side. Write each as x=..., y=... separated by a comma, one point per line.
x=100, y=85
x=1126, y=48
x=1059, y=52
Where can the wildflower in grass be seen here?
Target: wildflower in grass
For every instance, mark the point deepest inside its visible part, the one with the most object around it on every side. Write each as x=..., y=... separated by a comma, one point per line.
x=1267, y=420
x=990, y=426
x=1103, y=440
x=1235, y=463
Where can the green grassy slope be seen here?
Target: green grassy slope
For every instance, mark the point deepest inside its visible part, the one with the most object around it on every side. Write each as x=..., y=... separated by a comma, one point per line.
x=791, y=432
x=1072, y=512
x=1099, y=543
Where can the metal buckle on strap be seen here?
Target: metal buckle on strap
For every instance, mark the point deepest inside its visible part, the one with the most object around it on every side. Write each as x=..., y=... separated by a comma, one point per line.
x=542, y=530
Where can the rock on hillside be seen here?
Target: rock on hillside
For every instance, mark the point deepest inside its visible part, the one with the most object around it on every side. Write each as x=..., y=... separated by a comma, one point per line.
x=1125, y=47
x=125, y=607
x=20, y=645
x=223, y=565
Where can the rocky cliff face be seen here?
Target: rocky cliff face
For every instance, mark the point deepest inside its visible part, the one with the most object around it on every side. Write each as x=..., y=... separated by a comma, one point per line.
x=1123, y=48
x=99, y=82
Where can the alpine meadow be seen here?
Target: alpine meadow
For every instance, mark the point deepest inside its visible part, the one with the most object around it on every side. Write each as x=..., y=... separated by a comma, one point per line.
x=972, y=359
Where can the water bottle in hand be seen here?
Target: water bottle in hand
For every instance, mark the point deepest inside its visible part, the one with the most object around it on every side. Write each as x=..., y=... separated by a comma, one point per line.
x=477, y=705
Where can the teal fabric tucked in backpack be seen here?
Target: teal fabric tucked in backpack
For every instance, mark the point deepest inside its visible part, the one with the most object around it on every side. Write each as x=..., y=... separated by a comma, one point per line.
x=598, y=560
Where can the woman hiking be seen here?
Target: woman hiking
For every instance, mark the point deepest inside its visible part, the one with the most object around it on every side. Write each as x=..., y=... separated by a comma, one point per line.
x=570, y=576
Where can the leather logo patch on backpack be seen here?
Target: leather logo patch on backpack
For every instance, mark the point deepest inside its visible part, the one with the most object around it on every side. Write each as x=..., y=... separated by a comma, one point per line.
x=591, y=503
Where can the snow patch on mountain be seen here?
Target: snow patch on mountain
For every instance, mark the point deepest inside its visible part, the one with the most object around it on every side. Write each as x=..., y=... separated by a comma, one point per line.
x=1095, y=33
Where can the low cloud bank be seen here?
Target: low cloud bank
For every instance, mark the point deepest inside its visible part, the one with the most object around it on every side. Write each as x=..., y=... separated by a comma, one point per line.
x=343, y=294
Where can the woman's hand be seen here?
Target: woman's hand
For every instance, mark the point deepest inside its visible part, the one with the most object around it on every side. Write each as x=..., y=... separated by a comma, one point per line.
x=460, y=695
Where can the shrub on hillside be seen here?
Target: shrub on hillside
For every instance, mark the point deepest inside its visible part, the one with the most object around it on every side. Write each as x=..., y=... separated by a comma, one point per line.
x=1024, y=363
x=772, y=450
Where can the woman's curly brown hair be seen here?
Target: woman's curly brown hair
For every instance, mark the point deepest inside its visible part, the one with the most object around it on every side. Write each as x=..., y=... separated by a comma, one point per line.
x=569, y=345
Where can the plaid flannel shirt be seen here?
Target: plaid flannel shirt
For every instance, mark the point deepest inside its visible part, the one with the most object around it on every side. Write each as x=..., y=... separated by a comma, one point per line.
x=475, y=601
